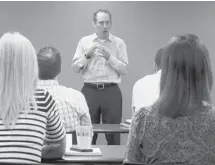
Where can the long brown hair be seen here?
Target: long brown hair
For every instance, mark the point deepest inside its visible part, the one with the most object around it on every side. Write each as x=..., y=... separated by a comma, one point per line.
x=186, y=79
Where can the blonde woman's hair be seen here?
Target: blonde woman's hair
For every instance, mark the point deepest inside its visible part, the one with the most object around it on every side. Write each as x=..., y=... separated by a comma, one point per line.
x=18, y=76
x=186, y=79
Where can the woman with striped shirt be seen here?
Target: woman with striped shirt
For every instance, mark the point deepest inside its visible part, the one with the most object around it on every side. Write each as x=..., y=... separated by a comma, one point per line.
x=30, y=126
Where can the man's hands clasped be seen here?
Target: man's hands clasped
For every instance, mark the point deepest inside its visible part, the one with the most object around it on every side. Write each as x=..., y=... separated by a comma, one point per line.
x=101, y=50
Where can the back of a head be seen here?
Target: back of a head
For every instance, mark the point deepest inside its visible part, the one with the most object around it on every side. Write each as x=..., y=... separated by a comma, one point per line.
x=186, y=79
x=18, y=76
x=49, y=61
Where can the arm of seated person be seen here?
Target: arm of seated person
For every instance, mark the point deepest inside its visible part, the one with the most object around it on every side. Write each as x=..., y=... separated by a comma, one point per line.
x=54, y=149
x=137, y=150
x=133, y=149
x=55, y=137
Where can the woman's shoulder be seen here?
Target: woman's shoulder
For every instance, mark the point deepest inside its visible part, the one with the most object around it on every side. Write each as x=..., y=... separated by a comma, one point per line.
x=141, y=113
x=142, y=116
x=145, y=112
x=44, y=100
x=209, y=114
x=41, y=94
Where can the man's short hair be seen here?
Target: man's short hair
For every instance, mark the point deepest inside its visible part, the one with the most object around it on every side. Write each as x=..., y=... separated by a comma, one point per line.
x=158, y=58
x=102, y=11
x=49, y=61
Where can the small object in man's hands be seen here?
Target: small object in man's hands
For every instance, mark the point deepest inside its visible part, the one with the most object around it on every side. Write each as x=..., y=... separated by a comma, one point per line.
x=81, y=150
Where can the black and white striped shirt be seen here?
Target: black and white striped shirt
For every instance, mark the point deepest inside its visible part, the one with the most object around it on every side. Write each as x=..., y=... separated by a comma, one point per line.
x=23, y=143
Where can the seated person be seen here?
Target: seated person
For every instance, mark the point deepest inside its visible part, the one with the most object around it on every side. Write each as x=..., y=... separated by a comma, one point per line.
x=71, y=103
x=180, y=126
x=29, y=117
x=146, y=89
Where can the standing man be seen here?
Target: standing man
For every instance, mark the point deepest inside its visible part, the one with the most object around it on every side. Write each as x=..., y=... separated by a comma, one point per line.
x=101, y=58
